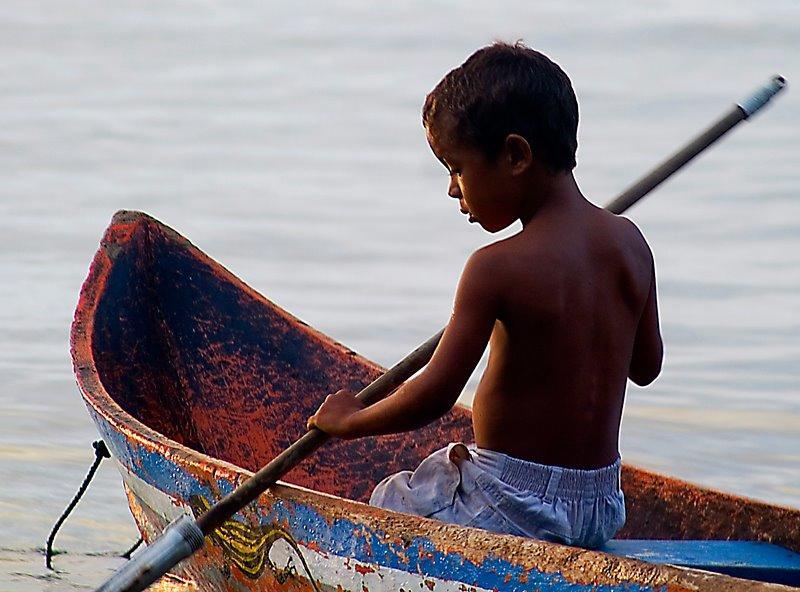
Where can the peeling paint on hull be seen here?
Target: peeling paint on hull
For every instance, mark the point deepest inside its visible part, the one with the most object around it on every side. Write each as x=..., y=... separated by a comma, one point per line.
x=194, y=380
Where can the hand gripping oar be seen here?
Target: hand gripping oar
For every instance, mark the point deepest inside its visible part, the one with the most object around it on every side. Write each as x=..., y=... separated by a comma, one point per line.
x=185, y=535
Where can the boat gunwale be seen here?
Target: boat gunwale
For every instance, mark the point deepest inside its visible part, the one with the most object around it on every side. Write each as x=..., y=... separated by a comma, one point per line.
x=542, y=556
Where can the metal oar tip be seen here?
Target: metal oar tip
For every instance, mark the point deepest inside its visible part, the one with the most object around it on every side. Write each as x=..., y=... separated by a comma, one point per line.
x=762, y=96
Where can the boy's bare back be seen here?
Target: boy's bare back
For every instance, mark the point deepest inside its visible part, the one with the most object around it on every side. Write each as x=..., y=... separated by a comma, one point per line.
x=572, y=289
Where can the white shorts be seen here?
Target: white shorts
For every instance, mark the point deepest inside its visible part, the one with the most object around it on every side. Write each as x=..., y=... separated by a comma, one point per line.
x=503, y=494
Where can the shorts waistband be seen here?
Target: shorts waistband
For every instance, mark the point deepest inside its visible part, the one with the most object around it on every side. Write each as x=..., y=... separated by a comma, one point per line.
x=552, y=481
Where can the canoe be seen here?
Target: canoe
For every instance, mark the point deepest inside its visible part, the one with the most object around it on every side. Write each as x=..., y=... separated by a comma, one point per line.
x=195, y=380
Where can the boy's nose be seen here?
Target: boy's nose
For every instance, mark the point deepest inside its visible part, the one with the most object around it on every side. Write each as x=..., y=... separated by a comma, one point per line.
x=453, y=190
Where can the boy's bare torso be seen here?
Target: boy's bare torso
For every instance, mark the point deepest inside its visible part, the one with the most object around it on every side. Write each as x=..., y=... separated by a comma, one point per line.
x=573, y=284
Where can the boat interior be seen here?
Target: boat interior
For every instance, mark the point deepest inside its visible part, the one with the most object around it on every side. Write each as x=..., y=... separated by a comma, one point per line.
x=192, y=353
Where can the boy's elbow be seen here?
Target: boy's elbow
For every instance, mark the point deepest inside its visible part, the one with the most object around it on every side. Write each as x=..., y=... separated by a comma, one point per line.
x=440, y=395
x=445, y=401
x=430, y=411
x=644, y=372
x=643, y=378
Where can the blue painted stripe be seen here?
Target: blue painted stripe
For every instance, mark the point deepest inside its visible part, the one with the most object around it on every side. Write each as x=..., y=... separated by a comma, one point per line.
x=745, y=559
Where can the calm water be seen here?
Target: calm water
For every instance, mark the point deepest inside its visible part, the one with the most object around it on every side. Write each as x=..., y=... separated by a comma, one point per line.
x=288, y=146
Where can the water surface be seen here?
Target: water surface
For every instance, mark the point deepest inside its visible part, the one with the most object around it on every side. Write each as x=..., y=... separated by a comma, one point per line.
x=286, y=142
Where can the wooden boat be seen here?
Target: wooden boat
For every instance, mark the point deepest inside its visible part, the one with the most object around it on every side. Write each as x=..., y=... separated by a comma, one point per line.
x=194, y=380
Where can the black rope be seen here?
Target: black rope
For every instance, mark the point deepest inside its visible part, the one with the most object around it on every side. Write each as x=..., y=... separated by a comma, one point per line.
x=127, y=554
x=100, y=452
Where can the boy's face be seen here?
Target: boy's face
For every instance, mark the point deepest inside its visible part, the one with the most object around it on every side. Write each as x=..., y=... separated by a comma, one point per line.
x=483, y=188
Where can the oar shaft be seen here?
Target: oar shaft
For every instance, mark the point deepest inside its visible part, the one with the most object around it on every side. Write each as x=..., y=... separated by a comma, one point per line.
x=711, y=134
x=652, y=180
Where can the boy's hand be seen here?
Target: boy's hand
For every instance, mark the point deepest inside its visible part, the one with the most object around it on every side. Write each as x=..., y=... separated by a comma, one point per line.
x=334, y=416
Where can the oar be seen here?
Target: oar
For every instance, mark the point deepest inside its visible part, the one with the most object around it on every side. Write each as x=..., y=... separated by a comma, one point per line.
x=185, y=535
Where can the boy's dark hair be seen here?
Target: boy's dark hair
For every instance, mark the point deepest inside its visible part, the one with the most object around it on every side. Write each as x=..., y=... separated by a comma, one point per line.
x=510, y=89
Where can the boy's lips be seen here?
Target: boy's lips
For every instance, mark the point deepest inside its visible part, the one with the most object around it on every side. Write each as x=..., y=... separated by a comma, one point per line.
x=472, y=219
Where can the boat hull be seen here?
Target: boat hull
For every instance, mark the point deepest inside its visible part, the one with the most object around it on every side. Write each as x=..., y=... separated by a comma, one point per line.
x=296, y=539
x=310, y=534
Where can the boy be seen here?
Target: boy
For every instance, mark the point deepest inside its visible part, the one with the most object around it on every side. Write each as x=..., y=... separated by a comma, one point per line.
x=567, y=306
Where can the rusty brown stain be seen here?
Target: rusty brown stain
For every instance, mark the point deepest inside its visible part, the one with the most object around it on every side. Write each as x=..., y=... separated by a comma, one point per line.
x=242, y=377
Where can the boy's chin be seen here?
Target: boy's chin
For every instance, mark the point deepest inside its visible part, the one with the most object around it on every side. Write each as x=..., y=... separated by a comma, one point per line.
x=493, y=228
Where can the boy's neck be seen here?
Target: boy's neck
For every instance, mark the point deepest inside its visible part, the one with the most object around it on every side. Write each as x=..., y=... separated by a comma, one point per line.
x=552, y=193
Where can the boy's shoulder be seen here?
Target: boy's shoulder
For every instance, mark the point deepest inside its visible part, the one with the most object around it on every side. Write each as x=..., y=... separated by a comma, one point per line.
x=634, y=239
x=489, y=261
x=613, y=234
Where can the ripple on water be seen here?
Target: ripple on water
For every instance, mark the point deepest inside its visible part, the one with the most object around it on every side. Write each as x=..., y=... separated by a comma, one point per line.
x=23, y=570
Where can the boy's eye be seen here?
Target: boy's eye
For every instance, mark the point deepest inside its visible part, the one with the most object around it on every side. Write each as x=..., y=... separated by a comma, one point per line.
x=455, y=172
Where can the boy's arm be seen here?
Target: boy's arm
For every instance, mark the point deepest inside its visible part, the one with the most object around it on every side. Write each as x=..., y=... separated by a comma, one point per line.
x=648, y=348
x=434, y=391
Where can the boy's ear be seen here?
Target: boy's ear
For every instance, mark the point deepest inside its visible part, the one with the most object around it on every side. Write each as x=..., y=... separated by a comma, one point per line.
x=518, y=154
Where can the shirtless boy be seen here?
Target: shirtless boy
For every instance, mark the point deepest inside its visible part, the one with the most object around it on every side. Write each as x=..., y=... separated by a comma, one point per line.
x=567, y=306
